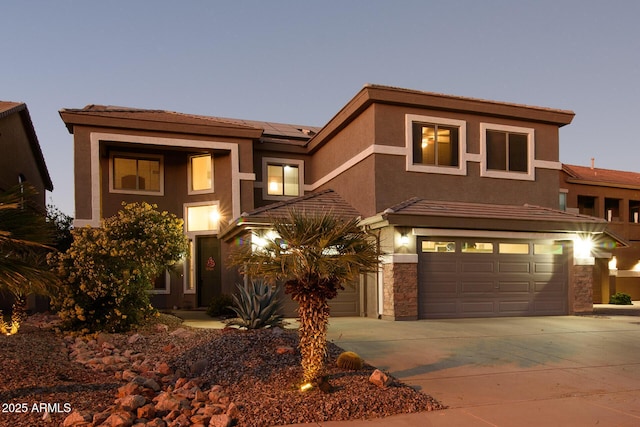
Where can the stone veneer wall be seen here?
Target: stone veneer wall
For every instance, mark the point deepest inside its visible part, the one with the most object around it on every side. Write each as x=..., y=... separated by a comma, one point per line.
x=582, y=287
x=400, y=291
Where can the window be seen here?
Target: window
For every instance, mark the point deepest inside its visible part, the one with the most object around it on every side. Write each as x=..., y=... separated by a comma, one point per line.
x=562, y=201
x=436, y=145
x=513, y=248
x=202, y=217
x=477, y=247
x=136, y=174
x=432, y=246
x=587, y=205
x=282, y=178
x=200, y=174
x=634, y=211
x=548, y=249
x=508, y=151
x=612, y=209
x=162, y=283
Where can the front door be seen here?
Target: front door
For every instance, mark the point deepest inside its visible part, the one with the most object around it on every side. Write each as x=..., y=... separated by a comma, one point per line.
x=207, y=269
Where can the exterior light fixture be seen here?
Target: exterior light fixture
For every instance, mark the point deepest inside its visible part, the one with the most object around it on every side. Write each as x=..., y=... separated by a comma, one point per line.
x=582, y=247
x=613, y=264
x=404, y=239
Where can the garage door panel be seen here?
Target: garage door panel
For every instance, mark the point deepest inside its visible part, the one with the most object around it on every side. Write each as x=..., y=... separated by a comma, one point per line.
x=442, y=288
x=548, y=267
x=477, y=287
x=549, y=288
x=477, y=267
x=513, y=307
x=440, y=309
x=511, y=287
x=436, y=267
x=514, y=267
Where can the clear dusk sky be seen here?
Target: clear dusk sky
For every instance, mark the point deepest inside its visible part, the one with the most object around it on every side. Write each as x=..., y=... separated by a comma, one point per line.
x=300, y=61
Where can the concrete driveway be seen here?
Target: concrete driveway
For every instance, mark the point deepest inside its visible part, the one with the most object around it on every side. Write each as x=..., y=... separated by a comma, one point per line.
x=533, y=371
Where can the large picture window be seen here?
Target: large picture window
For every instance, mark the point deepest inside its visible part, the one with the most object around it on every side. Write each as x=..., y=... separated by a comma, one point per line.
x=136, y=173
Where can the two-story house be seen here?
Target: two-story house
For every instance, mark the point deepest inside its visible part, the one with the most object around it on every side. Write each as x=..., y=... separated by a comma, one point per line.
x=614, y=196
x=461, y=194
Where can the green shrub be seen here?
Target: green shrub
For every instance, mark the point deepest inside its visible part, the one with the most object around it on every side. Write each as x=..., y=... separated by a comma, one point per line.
x=107, y=272
x=220, y=306
x=256, y=307
x=620, y=299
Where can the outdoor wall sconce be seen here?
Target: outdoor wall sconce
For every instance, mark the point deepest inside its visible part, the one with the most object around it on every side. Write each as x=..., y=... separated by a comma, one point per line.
x=404, y=239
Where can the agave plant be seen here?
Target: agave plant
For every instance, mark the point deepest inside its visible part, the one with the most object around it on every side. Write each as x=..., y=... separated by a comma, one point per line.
x=256, y=306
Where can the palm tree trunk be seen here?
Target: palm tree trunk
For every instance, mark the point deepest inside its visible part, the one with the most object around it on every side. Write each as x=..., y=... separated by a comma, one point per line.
x=314, y=319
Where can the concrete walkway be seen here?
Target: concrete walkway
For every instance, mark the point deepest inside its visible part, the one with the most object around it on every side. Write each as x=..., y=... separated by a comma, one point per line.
x=533, y=371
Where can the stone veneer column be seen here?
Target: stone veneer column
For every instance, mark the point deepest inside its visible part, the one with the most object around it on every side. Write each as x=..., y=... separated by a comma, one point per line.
x=400, y=291
x=581, y=292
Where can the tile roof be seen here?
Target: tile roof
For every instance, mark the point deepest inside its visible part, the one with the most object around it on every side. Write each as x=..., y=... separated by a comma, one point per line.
x=8, y=107
x=431, y=208
x=603, y=176
x=327, y=200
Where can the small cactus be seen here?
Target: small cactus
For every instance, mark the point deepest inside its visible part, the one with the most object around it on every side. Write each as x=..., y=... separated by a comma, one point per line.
x=349, y=360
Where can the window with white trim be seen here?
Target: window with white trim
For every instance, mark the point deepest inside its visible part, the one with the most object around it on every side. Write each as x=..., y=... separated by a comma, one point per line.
x=136, y=173
x=200, y=176
x=507, y=151
x=202, y=217
x=282, y=178
x=436, y=145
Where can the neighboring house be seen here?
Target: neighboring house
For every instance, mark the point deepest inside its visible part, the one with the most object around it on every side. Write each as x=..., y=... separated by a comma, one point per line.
x=461, y=193
x=614, y=196
x=21, y=162
x=21, y=159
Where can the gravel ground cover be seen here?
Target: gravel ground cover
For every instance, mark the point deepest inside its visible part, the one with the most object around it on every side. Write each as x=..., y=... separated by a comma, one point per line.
x=260, y=370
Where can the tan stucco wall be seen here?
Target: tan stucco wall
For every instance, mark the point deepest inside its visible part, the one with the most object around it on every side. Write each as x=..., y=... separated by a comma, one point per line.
x=16, y=157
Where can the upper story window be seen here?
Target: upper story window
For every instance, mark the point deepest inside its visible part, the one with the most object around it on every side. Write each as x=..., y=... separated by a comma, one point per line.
x=133, y=173
x=507, y=151
x=436, y=145
x=282, y=178
x=200, y=174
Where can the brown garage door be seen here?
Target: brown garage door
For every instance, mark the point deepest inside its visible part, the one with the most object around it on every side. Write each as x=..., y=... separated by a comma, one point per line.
x=490, y=278
x=347, y=303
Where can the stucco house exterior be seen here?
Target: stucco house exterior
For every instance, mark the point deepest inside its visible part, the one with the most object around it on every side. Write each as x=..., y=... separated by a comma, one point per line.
x=460, y=193
x=614, y=196
x=21, y=163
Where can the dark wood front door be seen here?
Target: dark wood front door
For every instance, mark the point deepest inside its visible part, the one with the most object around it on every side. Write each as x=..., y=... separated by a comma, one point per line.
x=207, y=269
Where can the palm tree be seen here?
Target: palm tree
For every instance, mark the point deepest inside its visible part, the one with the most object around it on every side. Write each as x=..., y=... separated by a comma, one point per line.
x=314, y=255
x=24, y=238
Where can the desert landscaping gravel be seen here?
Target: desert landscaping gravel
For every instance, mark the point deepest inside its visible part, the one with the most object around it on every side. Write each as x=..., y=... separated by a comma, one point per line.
x=42, y=382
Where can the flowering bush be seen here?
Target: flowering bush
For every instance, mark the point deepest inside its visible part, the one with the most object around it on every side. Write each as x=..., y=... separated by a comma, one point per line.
x=107, y=271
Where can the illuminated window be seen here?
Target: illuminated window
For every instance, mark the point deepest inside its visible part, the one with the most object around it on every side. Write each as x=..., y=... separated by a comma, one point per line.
x=136, y=173
x=202, y=218
x=200, y=174
x=435, y=144
x=433, y=246
x=282, y=178
x=513, y=248
x=477, y=247
x=548, y=249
